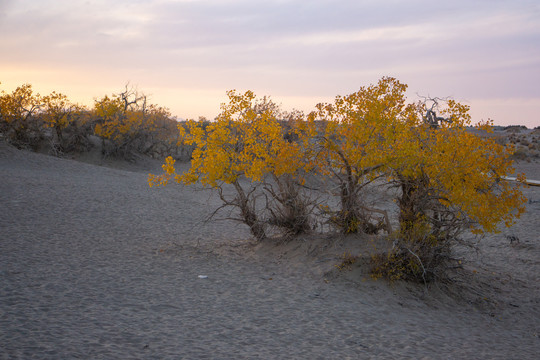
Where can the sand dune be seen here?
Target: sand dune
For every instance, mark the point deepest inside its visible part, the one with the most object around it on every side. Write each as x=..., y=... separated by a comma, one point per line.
x=95, y=264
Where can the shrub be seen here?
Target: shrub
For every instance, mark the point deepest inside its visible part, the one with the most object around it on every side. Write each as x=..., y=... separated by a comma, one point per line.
x=246, y=141
x=18, y=117
x=131, y=125
x=449, y=180
x=521, y=153
x=64, y=117
x=290, y=208
x=352, y=148
x=347, y=261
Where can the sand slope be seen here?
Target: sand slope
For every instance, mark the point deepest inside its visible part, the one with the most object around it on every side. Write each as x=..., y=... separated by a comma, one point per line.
x=95, y=264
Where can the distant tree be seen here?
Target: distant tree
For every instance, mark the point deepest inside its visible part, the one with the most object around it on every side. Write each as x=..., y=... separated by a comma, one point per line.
x=18, y=119
x=128, y=122
x=58, y=113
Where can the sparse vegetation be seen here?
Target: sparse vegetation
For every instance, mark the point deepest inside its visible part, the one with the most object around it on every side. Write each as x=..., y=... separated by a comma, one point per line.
x=125, y=122
x=131, y=124
x=292, y=172
x=19, y=120
x=347, y=261
x=247, y=141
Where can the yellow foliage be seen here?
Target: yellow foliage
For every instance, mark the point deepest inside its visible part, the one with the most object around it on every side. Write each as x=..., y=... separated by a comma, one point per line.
x=58, y=110
x=163, y=179
x=356, y=134
x=122, y=120
x=19, y=105
x=468, y=171
x=358, y=128
x=357, y=138
x=245, y=140
x=463, y=171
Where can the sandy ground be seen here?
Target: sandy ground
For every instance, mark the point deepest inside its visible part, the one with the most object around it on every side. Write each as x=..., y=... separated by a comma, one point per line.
x=94, y=264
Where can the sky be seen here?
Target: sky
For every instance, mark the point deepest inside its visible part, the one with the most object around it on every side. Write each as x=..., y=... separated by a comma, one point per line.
x=186, y=54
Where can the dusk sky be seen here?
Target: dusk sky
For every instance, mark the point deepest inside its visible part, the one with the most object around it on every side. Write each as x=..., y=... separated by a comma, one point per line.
x=185, y=54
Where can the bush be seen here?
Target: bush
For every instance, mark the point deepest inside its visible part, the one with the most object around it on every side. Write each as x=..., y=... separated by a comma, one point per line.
x=352, y=148
x=125, y=122
x=449, y=180
x=417, y=255
x=246, y=140
x=131, y=125
x=19, y=120
x=521, y=154
x=290, y=209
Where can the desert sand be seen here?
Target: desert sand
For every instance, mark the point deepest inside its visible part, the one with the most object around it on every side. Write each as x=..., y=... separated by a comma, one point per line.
x=94, y=264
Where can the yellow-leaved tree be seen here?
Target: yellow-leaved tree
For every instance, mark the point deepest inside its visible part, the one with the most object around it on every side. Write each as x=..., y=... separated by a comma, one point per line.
x=58, y=113
x=356, y=132
x=18, y=120
x=245, y=148
x=129, y=122
x=450, y=180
